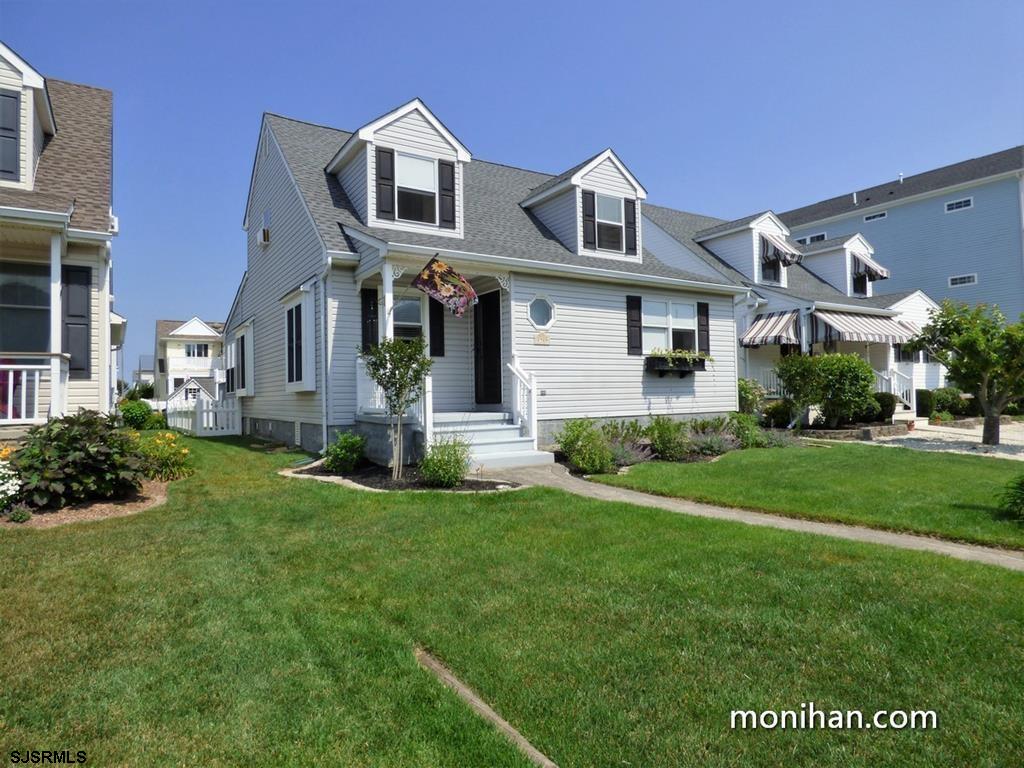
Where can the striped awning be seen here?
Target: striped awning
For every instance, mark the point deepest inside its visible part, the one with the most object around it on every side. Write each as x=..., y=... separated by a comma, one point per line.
x=848, y=326
x=773, y=328
x=775, y=248
x=865, y=265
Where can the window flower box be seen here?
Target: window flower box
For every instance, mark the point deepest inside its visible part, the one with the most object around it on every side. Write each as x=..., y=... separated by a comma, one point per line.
x=682, y=366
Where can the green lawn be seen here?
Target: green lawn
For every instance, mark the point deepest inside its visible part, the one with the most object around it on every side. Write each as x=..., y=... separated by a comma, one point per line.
x=899, y=489
x=264, y=621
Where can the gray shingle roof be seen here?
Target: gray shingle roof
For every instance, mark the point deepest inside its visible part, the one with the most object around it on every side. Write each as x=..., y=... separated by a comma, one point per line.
x=495, y=223
x=725, y=226
x=886, y=300
x=958, y=173
x=75, y=166
x=556, y=180
x=819, y=245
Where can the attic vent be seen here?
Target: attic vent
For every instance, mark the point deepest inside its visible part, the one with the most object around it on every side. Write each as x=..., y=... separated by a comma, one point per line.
x=959, y=205
x=960, y=280
x=876, y=216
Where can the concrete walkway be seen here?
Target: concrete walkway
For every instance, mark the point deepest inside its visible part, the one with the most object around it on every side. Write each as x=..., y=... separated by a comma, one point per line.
x=556, y=476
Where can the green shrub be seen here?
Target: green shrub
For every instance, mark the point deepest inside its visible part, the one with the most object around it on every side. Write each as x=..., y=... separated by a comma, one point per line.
x=445, y=463
x=886, y=405
x=752, y=395
x=623, y=431
x=592, y=454
x=156, y=420
x=745, y=428
x=711, y=437
x=144, y=390
x=20, y=513
x=800, y=376
x=345, y=453
x=925, y=402
x=779, y=414
x=572, y=433
x=78, y=458
x=949, y=399
x=165, y=458
x=847, y=385
x=669, y=438
x=1012, y=501
x=135, y=413
x=942, y=416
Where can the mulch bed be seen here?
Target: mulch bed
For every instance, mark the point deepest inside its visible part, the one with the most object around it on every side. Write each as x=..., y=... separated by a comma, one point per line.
x=379, y=478
x=152, y=494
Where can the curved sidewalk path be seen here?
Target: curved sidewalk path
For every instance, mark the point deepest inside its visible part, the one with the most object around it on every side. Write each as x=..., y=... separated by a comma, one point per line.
x=556, y=476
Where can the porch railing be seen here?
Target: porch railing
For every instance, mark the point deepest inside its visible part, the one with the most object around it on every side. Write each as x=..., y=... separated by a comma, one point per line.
x=370, y=399
x=899, y=384
x=770, y=381
x=524, y=401
x=26, y=387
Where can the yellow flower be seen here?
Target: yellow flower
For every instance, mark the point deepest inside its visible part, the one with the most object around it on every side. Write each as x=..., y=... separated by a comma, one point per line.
x=184, y=451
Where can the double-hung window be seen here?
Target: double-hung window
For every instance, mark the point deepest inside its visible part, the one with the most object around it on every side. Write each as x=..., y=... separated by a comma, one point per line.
x=300, y=363
x=669, y=325
x=609, y=217
x=238, y=360
x=24, y=307
x=859, y=283
x=197, y=350
x=416, y=188
x=408, y=320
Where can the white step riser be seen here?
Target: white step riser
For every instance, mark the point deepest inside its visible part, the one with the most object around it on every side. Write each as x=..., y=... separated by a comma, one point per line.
x=504, y=446
x=469, y=420
x=509, y=460
x=495, y=432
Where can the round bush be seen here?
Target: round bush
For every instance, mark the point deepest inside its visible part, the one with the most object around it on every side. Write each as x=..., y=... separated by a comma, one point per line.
x=950, y=399
x=345, y=453
x=887, y=405
x=669, y=438
x=847, y=385
x=135, y=413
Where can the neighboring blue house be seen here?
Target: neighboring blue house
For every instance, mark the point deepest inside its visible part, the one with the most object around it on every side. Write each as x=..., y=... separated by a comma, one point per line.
x=953, y=232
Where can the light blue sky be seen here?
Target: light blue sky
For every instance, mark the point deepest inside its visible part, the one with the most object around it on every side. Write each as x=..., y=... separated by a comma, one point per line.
x=720, y=108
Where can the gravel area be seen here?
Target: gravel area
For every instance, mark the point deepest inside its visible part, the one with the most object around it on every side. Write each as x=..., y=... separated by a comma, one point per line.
x=929, y=437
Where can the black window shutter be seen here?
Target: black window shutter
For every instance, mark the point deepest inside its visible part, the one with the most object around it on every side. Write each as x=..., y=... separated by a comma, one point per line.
x=634, y=325
x=446, y=192
x=240, y=362
x=77, y=284
x=630, y=226
x=290, y=343
x=297, y=309
x=436, y=328
x=371, y=336
x=385, y=184
x=589, y=222
x=10, y=117
x=703, y=328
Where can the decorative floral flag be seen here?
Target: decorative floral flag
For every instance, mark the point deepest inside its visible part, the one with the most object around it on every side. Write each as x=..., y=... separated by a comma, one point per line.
x=441, y=282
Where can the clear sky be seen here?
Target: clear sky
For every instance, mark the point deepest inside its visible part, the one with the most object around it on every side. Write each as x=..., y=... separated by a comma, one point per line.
x=720, y=108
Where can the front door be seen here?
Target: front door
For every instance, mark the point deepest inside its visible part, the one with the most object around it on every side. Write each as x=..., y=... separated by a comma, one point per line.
x=487, y=348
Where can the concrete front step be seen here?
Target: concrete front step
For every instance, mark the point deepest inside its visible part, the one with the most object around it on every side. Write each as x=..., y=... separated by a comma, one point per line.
x=528, y=458
x=478, y=432
x=500, y=445
x=470, y=418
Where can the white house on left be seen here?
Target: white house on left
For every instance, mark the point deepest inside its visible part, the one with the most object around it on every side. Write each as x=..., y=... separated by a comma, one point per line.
x=58, y=330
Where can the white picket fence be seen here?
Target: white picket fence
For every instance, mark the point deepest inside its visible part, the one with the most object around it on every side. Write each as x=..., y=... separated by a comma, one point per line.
x=207, y=419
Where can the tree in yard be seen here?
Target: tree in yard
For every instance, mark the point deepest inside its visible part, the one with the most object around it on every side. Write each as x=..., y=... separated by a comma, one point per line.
x=801, y=383
x=983, y=355
x=398, y=367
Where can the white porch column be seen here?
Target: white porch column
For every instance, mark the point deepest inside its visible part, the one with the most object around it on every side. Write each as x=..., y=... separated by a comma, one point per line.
x=388, y=291
x=428, y=382
x=56, y=390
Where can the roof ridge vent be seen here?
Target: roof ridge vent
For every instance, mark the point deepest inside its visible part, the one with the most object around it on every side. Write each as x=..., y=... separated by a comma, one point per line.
x=901, y=177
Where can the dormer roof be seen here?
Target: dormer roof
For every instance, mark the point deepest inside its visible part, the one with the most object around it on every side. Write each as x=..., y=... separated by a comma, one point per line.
x=30, y=78
x=854, y=242
x=190, y=328
x=574, y=177
x=367, y=132
x=753, y=221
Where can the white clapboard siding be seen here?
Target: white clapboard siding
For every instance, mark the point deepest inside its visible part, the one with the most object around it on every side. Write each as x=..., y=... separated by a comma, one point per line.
x=344, y=338
x=354, y=181
x=293, y=257
x=737, y=250
x=584, y=369
x=412, y=131
x=606, y=177
x=833, y=267
x=559, y=214
x=673, y=253
x=453, y=373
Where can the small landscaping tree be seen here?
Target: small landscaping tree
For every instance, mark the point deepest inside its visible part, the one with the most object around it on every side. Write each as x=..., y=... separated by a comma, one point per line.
x=801, y=382
x=983, y=355
x=398, y=367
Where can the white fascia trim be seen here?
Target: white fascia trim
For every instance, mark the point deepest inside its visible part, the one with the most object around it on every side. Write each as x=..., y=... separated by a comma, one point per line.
x=932, y=303
x=752, y=224
x=366, y=133
x=570, y=270
x=608, y=154
x=89, y=236
x=198, y=320
x=242, y=326
x=554, y=191
x=831, y=307
x=252, y=172
x=32, y=214
x=29, y=76
x=238, y=294
x=850, y=244
x=890, y=204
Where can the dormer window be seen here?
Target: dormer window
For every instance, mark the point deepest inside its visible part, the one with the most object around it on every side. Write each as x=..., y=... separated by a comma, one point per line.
x=771, y=271
x=416, y=188
x=860, y=284
x=609, y=223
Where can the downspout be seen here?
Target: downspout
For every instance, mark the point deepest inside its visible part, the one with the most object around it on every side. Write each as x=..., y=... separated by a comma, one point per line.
x=324, y=356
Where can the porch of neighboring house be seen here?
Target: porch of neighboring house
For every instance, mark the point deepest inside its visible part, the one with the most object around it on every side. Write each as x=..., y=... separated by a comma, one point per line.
x=475, y=390
x=875, y=338
x=34, y=371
